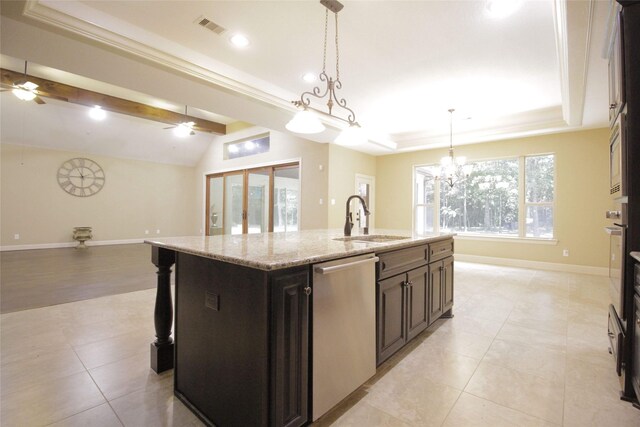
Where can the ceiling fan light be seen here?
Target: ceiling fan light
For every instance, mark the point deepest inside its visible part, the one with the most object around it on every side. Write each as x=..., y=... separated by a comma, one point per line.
x=352, y=136
x=97, y=113
x=182, y=130
x=24, y=94
x=31, y=86
x=305, y=122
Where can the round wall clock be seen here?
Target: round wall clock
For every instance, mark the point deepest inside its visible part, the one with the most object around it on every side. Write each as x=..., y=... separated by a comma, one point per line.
x=81, y=177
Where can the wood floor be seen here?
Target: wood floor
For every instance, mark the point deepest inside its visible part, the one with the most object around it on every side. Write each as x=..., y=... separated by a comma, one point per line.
x=45, y=277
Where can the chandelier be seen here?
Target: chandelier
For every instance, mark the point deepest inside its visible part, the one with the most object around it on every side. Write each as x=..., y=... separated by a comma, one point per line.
x=306, y=121
x=454, y=168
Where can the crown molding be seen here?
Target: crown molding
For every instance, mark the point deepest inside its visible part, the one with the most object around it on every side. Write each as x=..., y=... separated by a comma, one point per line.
x=570, y=37
x=35, y=9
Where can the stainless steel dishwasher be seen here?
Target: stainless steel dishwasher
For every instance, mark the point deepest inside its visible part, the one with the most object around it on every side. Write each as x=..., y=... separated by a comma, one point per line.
x=344, y=329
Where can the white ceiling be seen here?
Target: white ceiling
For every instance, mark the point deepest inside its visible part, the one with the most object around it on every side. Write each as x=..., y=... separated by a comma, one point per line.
x=402, y=63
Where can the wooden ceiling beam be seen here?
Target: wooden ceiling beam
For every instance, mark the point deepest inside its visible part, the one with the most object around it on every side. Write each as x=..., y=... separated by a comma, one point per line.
x=50, y=89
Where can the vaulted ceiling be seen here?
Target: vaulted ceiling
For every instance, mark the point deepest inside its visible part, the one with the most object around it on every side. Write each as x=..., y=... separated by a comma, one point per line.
x=403, y=64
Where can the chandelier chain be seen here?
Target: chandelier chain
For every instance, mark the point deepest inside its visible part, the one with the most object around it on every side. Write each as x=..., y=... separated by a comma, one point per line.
x=324, y=55
x=337, y=51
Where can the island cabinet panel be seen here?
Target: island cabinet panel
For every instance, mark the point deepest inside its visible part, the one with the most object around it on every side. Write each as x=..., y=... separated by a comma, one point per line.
x=440, y=288
x=435, y=291
x=392, y=331
x=418, y=297
x=241, y=343
x=447, y=284
x=290, y=373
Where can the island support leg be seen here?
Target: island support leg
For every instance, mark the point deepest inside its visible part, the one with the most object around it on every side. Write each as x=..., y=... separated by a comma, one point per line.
x=162, y=347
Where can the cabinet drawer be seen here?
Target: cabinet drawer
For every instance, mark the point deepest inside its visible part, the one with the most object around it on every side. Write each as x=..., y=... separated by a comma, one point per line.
x=392, y=263
x=440, y=250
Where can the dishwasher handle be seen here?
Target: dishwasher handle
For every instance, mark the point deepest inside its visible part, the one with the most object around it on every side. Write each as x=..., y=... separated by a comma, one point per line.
x=340, y=267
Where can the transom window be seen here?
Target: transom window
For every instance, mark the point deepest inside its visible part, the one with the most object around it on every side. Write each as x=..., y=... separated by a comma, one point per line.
x=512, y=197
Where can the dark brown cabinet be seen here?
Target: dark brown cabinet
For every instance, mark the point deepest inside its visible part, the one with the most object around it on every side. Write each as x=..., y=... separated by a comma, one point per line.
x=402, y=310
x=440, y=288
x=391, y=328
x=411, y=294
x=290, y=352
x=635, y=327
x=635, y=378
x=242, y=343
x=417, y=301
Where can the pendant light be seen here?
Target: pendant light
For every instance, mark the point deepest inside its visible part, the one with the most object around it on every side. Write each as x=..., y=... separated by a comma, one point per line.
x=453, y=168
x=306, y=120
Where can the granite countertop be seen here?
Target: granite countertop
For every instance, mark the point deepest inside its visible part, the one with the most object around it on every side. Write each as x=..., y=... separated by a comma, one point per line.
x=273, y=251
x=635, y=255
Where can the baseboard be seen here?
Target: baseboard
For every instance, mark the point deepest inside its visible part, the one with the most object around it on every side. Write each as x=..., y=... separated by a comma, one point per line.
x=538, y=265
x=68, y=245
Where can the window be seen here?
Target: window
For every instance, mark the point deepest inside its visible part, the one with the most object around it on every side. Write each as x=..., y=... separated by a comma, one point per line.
x=511, y=197
x=539, y=186
x=253, y=200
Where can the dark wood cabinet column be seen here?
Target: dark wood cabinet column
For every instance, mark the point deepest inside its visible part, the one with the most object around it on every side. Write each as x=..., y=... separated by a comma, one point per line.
x=162, y=347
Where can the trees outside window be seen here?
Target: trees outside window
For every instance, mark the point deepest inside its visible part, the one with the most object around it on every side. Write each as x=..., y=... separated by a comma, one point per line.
x=505, y=197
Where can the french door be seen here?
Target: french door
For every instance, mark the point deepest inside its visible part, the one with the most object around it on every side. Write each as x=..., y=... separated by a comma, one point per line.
x=252, y=200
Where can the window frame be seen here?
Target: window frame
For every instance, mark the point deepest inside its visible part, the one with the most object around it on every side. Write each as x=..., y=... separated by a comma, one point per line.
x=522, y=202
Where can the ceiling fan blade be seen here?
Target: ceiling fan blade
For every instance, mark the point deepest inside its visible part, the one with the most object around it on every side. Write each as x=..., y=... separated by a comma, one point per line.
x=38, y=100
x=5, y=90
x=48, y=95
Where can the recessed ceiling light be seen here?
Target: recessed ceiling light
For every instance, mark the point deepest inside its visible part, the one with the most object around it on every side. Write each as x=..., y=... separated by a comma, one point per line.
x=502, y=8
x=239, y=40
x=97, y=113
x=309, y=77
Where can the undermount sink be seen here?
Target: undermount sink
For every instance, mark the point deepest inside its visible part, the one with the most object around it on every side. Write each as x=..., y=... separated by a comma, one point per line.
x=375, y=238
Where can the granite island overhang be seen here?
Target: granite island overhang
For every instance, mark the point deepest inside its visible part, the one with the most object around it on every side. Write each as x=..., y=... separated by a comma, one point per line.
x=243, y=314
x=274, y=251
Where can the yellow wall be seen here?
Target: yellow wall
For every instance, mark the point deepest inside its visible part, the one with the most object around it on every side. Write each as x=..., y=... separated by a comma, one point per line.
x=582, y=195
x=344, y=164
x=137, y=196
x=283, y=147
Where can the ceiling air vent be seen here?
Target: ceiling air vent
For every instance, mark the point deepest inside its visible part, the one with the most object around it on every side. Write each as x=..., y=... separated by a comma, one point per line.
x=210, y=25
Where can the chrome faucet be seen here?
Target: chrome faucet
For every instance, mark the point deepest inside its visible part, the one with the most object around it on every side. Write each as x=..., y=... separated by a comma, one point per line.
x=348, y=224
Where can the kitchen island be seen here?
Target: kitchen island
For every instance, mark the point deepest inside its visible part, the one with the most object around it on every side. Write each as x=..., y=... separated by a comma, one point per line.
x=244, y=307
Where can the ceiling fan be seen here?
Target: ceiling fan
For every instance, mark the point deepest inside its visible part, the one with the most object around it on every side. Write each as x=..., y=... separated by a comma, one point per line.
x=24, y=89
x=183, y=129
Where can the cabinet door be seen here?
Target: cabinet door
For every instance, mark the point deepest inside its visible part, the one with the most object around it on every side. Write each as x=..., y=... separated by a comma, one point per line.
x=447, y=284
x=391, y=300
x=417, y=301
x=635, y=379
x=290, y=364
x=436, y=270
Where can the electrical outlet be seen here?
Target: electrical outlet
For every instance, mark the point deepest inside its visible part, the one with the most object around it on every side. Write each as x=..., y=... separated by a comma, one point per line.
x=321, y=201
x=16, y=237
x=158, y=231
x=146, y=231
x=320, y=168
x=333, y=201
x=565, y=252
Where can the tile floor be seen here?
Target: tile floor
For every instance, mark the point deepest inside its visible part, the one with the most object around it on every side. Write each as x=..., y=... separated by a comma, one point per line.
x=525, y=348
